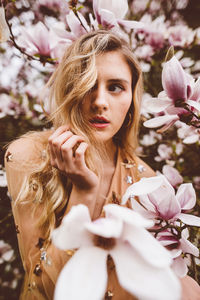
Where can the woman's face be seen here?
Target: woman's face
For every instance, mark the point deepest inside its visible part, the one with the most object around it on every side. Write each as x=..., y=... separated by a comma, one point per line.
x=107, y=104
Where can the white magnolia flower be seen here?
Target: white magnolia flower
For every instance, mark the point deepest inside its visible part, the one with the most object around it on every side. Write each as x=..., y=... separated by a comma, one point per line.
x=142, y=264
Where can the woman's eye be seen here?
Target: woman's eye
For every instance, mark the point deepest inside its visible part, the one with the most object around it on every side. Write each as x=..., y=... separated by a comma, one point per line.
x=115, y=88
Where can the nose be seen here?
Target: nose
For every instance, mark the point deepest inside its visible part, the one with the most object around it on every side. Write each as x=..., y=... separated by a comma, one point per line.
x=100, y=99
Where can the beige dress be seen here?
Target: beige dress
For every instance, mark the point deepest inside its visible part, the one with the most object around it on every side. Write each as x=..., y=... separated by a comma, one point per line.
x=42, y=263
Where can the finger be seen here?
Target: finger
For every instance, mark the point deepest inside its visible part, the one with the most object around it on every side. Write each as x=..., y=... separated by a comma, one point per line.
x=58, y=131
x=67, y=147
x=80, y=154
x=52, y=157
x=52, y=153
x=58, y=142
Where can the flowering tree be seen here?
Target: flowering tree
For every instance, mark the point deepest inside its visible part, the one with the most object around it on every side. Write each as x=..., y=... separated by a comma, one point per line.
x=33, y=36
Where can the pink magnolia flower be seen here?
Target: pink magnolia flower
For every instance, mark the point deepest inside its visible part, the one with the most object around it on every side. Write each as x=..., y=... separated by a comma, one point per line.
x=122, y=235
x=36, y=39
x=60, y=39
x=111, y=13
x=153, y=31
x=180, y=35
x=181, y=249
x=158, y=200
x=4, y=30
x=144, y=52
x=179, y=89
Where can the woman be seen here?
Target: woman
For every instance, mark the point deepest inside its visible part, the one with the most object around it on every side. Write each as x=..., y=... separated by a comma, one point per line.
x=95, y=96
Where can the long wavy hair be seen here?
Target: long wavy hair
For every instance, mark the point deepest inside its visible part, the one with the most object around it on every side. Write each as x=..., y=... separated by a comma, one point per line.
x=73, y=78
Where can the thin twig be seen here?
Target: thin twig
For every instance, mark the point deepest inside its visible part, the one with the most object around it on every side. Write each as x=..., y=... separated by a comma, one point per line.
x=12, y=38
x=5, y=218
x=76, y=14
x=194, y=268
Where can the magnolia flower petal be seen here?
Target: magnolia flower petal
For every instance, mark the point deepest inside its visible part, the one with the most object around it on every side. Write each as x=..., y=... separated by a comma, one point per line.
x=96, y=11
x=175, y=252
x=166, y=242
x=166, y=238
x=126, y=215
x=74, y=24
x=4, y=30
x=108, y=228
x=27, y=40
x=194, y=104
x=166, y=126
x=118, y=7
x=179, y=266
x=145, y=201
x=161, y=120
x=191, y=139
x=137, y=207
x=84, y=276
x=157, y=105
x=166, y=205
x=131, y=24
x=70, y=236
x=142, y=187
x=141, y=240
x=141, y=279
x=188, y=247
x=186, y=196
x=174, y=80
x=41, y=38
x=108, y=18
x=172, y=175
x=189, y=219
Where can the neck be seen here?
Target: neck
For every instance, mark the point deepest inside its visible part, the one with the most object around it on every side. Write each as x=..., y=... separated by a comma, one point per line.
x=111, y=151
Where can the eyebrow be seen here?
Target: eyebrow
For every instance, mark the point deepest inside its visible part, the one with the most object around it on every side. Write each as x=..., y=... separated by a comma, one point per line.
x=118, y=80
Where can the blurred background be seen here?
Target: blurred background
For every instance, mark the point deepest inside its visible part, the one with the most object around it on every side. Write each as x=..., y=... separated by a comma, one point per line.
x=40, y=31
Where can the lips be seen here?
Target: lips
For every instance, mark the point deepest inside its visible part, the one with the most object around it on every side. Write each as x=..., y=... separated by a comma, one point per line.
x=99, y=122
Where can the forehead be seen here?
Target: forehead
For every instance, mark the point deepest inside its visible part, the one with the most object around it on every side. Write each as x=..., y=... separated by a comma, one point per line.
x=113, y=63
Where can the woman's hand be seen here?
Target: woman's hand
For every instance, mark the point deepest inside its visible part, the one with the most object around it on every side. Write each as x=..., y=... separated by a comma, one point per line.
x=67, y=154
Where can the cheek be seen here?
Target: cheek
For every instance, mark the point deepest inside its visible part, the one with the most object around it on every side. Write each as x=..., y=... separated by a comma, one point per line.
x=123, y=109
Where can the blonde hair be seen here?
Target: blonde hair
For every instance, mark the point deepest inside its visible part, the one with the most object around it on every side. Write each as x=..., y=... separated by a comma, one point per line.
x=74, y=77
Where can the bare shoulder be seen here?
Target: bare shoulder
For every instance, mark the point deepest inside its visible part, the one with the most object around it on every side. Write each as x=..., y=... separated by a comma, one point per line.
x=144, y=169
